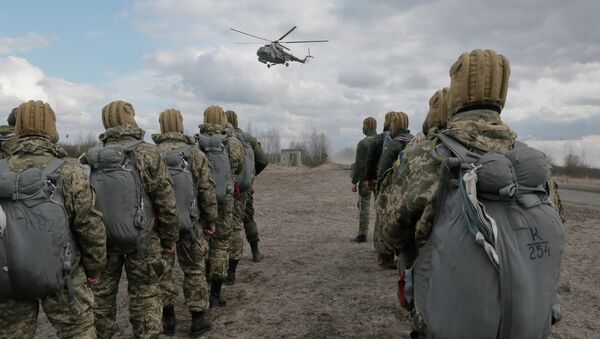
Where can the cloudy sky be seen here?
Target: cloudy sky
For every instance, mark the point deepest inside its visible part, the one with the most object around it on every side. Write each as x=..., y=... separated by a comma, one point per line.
x=382, y=55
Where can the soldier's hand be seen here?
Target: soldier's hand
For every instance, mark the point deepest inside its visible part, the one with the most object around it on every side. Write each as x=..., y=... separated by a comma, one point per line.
x=354, y=189
x=93, y=280
x=209, y=231
x=237, y=191
x=169, y=250
x=370, y=185
x=384, y=260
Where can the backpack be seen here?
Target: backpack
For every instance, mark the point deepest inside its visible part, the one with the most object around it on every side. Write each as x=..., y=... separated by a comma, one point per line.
x=127, y=209
x=36, y=246
x=490, y=268
x=216, y=152
x=178, y=162
x=246, y=178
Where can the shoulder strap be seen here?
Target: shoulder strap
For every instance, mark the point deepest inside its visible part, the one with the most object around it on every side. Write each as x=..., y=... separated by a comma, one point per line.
x=4, y=166
x=130, y=146
x=52, y=167
x=519, y=144
x=458, y=149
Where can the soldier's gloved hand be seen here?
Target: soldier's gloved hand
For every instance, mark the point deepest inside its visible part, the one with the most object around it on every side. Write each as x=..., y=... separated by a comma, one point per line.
x=370, y=185
x=169, y=250
x=384, y=260
x=209, y=231
x=237, y=191
x=354, y=189
x=93, y=280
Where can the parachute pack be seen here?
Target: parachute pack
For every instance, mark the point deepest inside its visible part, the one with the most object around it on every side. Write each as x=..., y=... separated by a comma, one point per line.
x=246, y=178
x=128, y=211
x=36, y=246
x=216, y=152
x=178, y=162
x=490, y=268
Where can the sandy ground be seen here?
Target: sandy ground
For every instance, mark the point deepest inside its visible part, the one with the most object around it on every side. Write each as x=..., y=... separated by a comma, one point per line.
x=315, y=283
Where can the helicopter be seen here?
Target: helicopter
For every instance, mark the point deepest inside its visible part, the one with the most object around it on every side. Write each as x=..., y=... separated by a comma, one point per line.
x=274, y=53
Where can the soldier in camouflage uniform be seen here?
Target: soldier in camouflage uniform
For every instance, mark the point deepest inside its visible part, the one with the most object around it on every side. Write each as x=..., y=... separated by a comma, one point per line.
x=191, y=253
x=236, y=242
x=36, y=147
x=215, y=122
x=7, y=135
x=143, y=268
x=359, y=183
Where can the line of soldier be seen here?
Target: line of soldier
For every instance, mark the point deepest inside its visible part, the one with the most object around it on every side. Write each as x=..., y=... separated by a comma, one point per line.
x=66, y=236
x=462, y=272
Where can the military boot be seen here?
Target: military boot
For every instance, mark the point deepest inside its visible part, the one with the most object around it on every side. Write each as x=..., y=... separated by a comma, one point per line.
x=200, y=324
x=216, y=300
x=230, y=279
x=359, y=238
x=168, y=320
x=256, y=255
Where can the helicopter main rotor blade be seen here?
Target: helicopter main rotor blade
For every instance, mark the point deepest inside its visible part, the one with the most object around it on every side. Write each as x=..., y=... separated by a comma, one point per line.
x=286, y=34
x=254, y=36
x=282, y=46
x=248, y=43
x=301, y=41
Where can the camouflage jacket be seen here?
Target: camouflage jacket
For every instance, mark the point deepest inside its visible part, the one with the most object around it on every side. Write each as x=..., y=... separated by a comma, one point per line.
x=234, y=147
x=390, y=154
x=7, y=140
x=201, y=173
x=360, y=162
x=373, y=155
x=156, y=180
x=80, y=199
x=260, y=158
x=405, y=205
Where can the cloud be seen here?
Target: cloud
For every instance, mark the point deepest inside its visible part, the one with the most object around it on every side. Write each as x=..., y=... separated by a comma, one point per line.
x=22, y=44
x=586, y=147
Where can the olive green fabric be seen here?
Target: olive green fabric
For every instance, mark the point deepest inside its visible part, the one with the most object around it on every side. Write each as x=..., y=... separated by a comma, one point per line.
x=360, y=161
x=398, y=142
x=118, y=113
x=215, y=115
x=171, y=120
x=36, y=118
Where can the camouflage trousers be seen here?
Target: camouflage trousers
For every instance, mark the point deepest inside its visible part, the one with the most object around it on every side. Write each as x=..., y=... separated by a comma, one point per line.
x=218, y=244
x=18, y=318
x=249, y=225
x=364, y=203
x=191, y=255
x=236, y=241
x=144, y=269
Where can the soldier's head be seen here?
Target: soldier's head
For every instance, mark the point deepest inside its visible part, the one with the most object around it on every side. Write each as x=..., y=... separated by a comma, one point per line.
x=387, y=121
x=232, y=118
x=369, y=125
x=478, y=79
x=36, y=118
x=438, y=111
x=171, y=120
x=118, y=113
x=215, y=115
x=398, y=121
x=12, y=117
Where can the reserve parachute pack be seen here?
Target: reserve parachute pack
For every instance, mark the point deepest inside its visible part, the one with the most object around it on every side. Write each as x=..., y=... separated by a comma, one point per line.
x=490, y=268
x=178, y=162
x=114, y=175
x=246, y=178
x=36, y=246
x=216, y=152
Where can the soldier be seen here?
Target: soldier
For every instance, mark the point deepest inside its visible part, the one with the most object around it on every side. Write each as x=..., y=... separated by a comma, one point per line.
x=359, y=183
x=255, y=162
x=226, y=155
x=196, y=204
x=131, y=179
x=475, y=100
x=7, y=135
x=373, y=155
x=70, y=308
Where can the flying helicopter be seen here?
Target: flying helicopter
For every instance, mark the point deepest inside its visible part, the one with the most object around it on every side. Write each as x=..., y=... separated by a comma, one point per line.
x=274, y=52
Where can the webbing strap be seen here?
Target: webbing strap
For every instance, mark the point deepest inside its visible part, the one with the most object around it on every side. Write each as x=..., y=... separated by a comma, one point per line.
x=130, y=146
x=4, y=166
x=458, y=149
x=52, y=167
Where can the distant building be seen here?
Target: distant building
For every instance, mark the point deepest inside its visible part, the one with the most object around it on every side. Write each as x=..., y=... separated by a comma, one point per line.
x=291, y=157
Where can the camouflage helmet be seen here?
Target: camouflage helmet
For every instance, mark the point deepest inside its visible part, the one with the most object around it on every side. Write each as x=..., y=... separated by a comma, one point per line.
x=12, y=117
x=438, y=111
x=118, y=113
x=398, y=121
x=215, y=115
x=171, y=120
x=369, y=124
x=36, y=118
x=478, y=78
x=232, y=118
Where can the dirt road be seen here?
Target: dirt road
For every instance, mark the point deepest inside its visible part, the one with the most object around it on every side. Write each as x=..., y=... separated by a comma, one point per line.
x=315, y=283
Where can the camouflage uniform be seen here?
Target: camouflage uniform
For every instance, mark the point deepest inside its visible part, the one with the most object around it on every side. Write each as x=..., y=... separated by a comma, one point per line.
x=191, y=253
x=7, y=140
x=260, y=163
x=359, y=178
x=144, y=270
x=373, y=154
x=18, y=317
x=219, y=242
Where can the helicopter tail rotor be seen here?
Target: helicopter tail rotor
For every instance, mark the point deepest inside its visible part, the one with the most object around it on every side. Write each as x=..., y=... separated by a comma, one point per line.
x=308, y=57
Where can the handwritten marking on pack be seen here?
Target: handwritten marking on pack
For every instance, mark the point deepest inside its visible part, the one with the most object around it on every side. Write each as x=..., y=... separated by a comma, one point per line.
x=538, y=250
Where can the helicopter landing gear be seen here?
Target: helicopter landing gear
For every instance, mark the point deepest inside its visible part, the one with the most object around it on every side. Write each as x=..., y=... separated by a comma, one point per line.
x=287, y=64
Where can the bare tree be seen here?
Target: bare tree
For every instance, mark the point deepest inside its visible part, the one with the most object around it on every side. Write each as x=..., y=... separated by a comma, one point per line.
x=271, y=143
